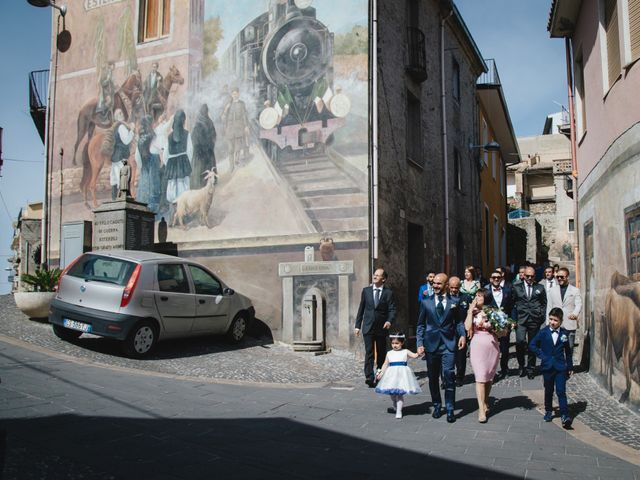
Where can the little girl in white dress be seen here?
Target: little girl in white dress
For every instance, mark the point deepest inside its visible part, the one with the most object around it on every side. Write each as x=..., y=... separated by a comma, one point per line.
x=395, y=378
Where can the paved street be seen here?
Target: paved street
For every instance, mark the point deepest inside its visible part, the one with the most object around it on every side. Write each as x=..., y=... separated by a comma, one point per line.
x=67, y=417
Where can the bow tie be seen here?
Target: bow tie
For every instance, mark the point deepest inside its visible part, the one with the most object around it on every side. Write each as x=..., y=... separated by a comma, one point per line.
x=497, y=289
x=554, y=331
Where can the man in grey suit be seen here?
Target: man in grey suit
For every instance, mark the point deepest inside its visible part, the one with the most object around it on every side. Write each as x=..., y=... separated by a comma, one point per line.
x=568, y=298
x=376, y=314
x=530, y=302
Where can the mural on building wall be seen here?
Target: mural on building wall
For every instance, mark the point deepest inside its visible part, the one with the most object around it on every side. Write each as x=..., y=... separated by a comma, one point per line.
x=267, y=136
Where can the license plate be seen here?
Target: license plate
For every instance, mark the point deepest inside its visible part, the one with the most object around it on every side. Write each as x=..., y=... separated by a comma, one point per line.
x=74, y=325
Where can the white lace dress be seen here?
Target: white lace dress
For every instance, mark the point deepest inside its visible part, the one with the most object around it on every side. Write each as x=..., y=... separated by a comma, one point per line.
x=398, y=379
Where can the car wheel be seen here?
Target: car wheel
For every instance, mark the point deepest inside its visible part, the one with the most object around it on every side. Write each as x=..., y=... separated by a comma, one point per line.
x=141, y=339
x=238, y=328
x=66, y=334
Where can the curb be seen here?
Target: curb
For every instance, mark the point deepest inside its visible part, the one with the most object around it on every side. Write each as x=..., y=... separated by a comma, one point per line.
x=585, y=434
x=174, y=376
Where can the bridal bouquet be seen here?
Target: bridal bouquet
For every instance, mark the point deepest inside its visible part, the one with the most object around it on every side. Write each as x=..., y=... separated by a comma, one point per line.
x=500, y=321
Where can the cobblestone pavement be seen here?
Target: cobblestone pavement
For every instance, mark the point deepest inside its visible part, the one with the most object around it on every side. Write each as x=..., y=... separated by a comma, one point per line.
x=255, y=360
x=601, y=412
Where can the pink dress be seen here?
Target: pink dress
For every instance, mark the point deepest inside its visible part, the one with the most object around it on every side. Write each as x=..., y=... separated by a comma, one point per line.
x=484, y=350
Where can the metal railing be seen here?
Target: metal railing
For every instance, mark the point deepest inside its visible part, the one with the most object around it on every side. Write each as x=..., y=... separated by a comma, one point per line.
x=416, y=54
x=491, y=77
x=38, y=85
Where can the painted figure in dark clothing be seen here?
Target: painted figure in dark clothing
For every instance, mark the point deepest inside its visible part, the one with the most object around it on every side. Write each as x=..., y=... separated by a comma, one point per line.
x=107, y=91
x=204, y=144
x=178, y=154
x=236, y=127
x=148, y=157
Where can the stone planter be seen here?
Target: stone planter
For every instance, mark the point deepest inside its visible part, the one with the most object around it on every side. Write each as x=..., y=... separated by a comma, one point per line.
x=34, y=304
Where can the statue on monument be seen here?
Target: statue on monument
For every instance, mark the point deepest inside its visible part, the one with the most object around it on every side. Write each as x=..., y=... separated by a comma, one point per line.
x=124, y=191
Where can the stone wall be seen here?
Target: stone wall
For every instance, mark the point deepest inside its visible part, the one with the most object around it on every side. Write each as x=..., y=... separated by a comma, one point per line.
x=411, y=193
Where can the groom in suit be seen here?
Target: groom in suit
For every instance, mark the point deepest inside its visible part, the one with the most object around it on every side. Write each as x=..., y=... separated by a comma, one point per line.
x=376, y=314
x=439, y=332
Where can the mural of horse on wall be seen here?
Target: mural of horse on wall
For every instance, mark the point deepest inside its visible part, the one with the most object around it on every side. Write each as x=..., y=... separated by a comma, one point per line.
x=127, y=98
x=94, y=158
x=621, y=331
x=158, y=103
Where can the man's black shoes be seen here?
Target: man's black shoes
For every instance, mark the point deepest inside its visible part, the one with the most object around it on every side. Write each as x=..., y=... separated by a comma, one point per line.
x=451, y=418
x=437, y=412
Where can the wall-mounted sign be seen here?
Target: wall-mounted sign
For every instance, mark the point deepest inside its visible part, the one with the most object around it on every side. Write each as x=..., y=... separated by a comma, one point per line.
x=91, y=4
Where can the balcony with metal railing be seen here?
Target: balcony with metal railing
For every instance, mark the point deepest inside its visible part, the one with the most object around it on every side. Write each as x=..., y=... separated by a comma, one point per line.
x=490, y=77
x=416, y=66
x=38, y=85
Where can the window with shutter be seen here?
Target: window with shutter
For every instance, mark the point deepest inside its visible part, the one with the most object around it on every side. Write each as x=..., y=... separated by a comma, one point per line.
x=613, y=40
x=634, y=28
x=154, y=19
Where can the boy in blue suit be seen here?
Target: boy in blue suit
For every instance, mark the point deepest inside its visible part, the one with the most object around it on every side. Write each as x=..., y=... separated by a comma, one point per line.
x=552, y=346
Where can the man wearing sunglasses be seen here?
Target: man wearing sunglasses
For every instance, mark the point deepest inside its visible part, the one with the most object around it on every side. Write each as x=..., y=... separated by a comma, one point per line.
x=568, y=298
x=530, y=300
x=501, y=297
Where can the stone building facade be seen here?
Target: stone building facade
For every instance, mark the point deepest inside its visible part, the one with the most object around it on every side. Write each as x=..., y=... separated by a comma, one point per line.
x=541, y=185
x=26, y=243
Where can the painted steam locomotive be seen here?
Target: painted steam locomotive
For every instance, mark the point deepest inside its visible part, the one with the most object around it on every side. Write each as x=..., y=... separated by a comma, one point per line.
x=286, y=56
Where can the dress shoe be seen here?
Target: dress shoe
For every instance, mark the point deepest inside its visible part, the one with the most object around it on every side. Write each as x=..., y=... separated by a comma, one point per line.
x=370, y=383
x=451, y=417
x=459, y=382
x=502, y=374
x=566, y=421
x=531, y=375
x=548, y=416
x=437, y=411
x=391, y=410
x=523, y=372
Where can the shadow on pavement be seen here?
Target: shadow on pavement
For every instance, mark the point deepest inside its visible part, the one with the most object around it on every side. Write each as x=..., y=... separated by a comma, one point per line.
x=72, y=446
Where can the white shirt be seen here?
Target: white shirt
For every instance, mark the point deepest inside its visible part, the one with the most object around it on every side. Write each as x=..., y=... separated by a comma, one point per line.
x=444, y=301
x=497, y=295
x=554, y=335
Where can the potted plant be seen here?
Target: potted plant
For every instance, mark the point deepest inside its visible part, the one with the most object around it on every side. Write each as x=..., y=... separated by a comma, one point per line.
x=35, y=303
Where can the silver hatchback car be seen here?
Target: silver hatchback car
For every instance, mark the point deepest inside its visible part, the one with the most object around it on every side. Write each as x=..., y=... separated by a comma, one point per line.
x=143, y=297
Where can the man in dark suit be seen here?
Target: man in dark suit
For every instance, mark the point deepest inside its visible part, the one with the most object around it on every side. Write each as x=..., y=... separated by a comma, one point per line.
x=530, y=300
x=376, y=314
x=501, y=296
x=439, y=332
x=464, y=301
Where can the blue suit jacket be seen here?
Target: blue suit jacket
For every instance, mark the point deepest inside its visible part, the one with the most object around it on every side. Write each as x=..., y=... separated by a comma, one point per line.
x=554, y=357
x=431, y=331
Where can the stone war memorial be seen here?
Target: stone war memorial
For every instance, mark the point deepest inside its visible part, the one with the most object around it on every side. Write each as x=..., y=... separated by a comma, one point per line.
x=123, y=225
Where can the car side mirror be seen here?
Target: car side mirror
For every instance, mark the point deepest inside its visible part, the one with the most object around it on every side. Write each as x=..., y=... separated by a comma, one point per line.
x=228, y=291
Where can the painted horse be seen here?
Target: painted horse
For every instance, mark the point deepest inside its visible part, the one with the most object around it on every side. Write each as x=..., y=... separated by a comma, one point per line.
x=158, y=102
x=94, y=158
x=127, y=98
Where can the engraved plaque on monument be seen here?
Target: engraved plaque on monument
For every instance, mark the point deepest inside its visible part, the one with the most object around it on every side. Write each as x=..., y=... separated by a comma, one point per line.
x=123, y=225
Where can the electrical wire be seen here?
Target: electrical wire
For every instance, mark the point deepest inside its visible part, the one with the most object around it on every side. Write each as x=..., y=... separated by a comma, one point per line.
x=21, y=161
x=6, y=209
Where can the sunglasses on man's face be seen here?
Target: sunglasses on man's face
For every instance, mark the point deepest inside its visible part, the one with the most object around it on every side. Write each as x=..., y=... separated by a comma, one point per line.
x=528, y=276
x=560, y=277
x=496, y=278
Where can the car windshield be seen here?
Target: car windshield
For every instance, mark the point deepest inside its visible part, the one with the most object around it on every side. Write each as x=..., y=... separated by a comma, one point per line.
x=96, y=268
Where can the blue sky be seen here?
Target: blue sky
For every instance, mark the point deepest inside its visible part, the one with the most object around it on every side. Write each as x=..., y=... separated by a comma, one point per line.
x=513, y=32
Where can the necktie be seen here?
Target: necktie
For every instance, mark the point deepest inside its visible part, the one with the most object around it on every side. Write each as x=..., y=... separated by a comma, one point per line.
x=376, y=298
x=550, y=283
x=528, y=291
x=440, y=307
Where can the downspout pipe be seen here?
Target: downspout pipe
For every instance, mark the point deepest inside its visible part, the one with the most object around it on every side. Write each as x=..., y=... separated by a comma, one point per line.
x=574, y=159
x=374, y=135
x=445, y=153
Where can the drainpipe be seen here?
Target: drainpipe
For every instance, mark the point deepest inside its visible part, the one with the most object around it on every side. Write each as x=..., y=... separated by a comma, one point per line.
x=374, y=134
x=445, y=155
x=574, y=160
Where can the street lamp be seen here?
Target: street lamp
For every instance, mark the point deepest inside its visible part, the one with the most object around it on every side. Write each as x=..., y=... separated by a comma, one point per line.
x=63, y=42
x=491, y=146
x=49, y=3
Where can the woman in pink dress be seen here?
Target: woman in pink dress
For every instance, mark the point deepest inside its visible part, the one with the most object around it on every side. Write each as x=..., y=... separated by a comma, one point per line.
x=485, y=351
